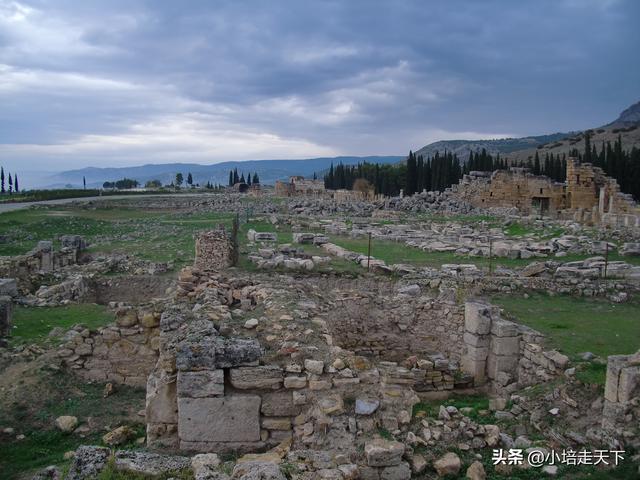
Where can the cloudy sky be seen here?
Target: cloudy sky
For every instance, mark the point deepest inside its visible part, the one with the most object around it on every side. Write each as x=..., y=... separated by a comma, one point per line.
x=124, y=82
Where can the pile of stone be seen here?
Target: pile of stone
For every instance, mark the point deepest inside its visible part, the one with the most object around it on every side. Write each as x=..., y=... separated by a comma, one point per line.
x=287, y=257
x=214, y=250
x=594, y=267
x=74, y=289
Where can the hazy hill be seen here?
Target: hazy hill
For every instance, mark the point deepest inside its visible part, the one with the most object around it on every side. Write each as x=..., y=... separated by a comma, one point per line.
x=268, y=170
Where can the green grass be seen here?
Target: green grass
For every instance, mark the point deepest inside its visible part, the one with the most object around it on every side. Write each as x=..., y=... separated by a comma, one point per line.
x=575, y=325
x=33, y=324
x=43, y=396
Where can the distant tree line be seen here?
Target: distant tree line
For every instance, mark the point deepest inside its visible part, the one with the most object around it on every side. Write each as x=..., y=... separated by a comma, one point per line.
x=8, y=185
x=235, y=178
x=415, y=175
x=124, y=184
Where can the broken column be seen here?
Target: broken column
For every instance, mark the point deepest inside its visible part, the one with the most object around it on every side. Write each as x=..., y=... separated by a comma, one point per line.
x=477, y=324
x=622, y=394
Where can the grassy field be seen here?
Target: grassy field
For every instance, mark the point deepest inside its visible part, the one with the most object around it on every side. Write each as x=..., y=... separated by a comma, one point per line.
x=33, y=324
x=30, y=401
x=575, y=325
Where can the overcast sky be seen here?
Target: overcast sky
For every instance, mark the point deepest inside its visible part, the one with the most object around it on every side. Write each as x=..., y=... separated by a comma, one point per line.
x=88, y=83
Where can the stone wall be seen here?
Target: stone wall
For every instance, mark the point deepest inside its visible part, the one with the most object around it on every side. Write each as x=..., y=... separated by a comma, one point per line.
x=124, y=352
x=396, y=327
x=42, y=259
x=213, y=250
x=588, y=195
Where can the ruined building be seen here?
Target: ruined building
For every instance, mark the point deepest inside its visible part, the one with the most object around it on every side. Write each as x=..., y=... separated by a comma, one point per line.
x=588, y=195
x=297, y=186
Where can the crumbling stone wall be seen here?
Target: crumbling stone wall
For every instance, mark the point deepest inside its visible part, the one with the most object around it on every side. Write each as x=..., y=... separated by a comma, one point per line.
x=503, y=353
x=621, y=412
x=588, y=195
x=124, y=352
x=213, y=250
x=395, y=327
x=42, y=259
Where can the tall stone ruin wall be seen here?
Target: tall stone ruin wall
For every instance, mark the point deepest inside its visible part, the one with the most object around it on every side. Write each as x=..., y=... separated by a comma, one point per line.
x=588, y=195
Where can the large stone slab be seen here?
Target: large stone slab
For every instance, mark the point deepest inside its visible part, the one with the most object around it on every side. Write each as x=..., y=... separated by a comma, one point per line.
x=223, y=419
x=279, y=404
x=477, y=318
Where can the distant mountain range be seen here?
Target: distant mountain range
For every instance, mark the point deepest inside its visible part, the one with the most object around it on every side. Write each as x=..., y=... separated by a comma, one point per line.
x=627, y=126
x=268, y=171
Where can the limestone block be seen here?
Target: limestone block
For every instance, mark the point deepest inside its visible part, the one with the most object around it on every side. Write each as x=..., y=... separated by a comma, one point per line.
x=161, y=405
x=481, y=341
x=314, y=366
x=505, y=345
x=220, y=419
x=402, y=471
x=477, y=318
x=629, y=384
x=501, y=363
x=207, y=383
x=293, y=381
x=383, y=453
x=503, y=328
x=276, y=423
x=265, y=377
x=279, y=404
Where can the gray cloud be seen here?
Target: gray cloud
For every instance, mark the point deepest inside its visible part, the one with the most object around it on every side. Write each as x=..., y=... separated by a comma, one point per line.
x=121, y=82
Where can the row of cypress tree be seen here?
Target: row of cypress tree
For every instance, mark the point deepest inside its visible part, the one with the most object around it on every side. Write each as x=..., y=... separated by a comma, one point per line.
x=12, y=183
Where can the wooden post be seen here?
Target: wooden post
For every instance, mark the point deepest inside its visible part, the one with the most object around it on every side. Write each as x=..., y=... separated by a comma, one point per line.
x=369, y=253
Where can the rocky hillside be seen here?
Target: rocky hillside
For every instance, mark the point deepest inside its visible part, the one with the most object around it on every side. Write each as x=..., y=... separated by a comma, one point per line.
x=627, y=125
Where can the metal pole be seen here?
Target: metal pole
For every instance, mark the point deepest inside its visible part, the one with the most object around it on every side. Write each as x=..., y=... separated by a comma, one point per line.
x=369, y=253
x=490, y=255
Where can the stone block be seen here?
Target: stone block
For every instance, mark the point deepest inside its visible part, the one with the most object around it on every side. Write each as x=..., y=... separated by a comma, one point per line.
x=503, y=328
x=505, y=345
x=262, y=377
x=402, y=471
x=477, y=318
x=207, y=383
x=293, y=381
x=501, y=363
x=614, y=365
x=276, y=423
x=212, y=352
x=279, y=404
x=223, y=419
x=8, y=287
x=161, y=404
x=629, y=384
x=383, y=453
x=478, y=341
